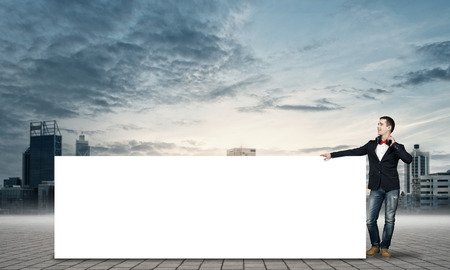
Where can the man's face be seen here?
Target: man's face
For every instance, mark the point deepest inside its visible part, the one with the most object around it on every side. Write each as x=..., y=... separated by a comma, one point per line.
x=382, y=127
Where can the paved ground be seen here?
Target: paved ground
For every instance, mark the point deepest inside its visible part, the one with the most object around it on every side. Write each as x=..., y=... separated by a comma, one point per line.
x=420, y=242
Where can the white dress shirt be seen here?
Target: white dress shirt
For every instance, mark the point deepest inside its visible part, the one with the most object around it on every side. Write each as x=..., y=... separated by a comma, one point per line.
x=381, y=150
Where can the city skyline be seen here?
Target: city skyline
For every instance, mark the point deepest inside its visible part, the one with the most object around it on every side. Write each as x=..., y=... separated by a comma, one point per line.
x=200, y=77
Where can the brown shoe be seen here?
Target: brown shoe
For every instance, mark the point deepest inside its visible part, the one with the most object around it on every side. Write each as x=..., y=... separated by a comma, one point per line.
x=372, y=251
x=385, y=253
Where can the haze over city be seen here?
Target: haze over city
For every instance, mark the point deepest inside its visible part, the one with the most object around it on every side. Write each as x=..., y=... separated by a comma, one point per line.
x=199, y=77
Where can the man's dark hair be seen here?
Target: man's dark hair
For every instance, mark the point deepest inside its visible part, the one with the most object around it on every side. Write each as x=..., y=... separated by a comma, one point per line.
x=389, y=122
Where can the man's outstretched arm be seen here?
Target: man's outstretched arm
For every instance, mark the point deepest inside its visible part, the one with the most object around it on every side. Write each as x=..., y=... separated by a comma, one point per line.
x=360, y=151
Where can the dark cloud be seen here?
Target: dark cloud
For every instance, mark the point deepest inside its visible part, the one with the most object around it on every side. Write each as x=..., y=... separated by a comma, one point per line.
x=269, y=102
x=304, y=108
x=441, y=156
x=370, y=94
x=310, y=47
x=15, y=140
x=258, y=108
x=424, y=76
x=378, y=91
x=314, y=45
x=79, y=59
x=438, y=51
x=70, y=131
x=322, y=105
x=366, y=96
x=33, y=105
x=125, y=127
x=265, y=102
x=97, y=57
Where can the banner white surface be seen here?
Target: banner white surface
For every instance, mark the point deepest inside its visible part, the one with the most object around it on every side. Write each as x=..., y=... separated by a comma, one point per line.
x=210, y=207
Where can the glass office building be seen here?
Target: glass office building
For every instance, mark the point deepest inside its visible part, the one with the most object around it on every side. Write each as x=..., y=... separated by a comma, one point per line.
x=45, y=144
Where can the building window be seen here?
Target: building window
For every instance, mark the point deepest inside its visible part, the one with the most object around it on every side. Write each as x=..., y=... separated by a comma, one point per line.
x=442, y=180
x=442, y=192
x=422, y=165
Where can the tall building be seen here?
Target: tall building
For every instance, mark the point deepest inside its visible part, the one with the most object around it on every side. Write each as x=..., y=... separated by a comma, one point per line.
x=82, y=147
x=241, y=152
x=420, y=166
x=45, y=144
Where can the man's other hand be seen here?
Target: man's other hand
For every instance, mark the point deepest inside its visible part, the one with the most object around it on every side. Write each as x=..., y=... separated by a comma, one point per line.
x=392, y=140
x=327, y=156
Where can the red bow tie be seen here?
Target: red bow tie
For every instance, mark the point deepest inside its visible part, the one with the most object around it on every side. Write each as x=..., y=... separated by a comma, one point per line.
x=383, y=142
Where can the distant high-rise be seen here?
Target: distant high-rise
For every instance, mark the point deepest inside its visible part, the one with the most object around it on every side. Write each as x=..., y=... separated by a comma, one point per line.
x=420, y=166
x=241, y=152
x=45, y=144
x=82, y=147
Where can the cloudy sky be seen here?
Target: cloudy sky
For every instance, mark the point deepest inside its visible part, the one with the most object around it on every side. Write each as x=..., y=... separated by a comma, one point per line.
x=198, y=77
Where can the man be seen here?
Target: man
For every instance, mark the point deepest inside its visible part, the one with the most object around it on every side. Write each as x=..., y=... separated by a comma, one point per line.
x=383, y=153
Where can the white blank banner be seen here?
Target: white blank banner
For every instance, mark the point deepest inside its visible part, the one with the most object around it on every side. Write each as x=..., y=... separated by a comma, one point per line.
x=210, y=207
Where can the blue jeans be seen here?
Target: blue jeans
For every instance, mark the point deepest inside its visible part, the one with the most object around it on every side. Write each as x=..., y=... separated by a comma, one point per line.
x=376, y=199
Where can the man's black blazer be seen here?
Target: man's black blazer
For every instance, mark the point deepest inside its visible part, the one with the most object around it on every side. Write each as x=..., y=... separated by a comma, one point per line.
x=381, y=173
